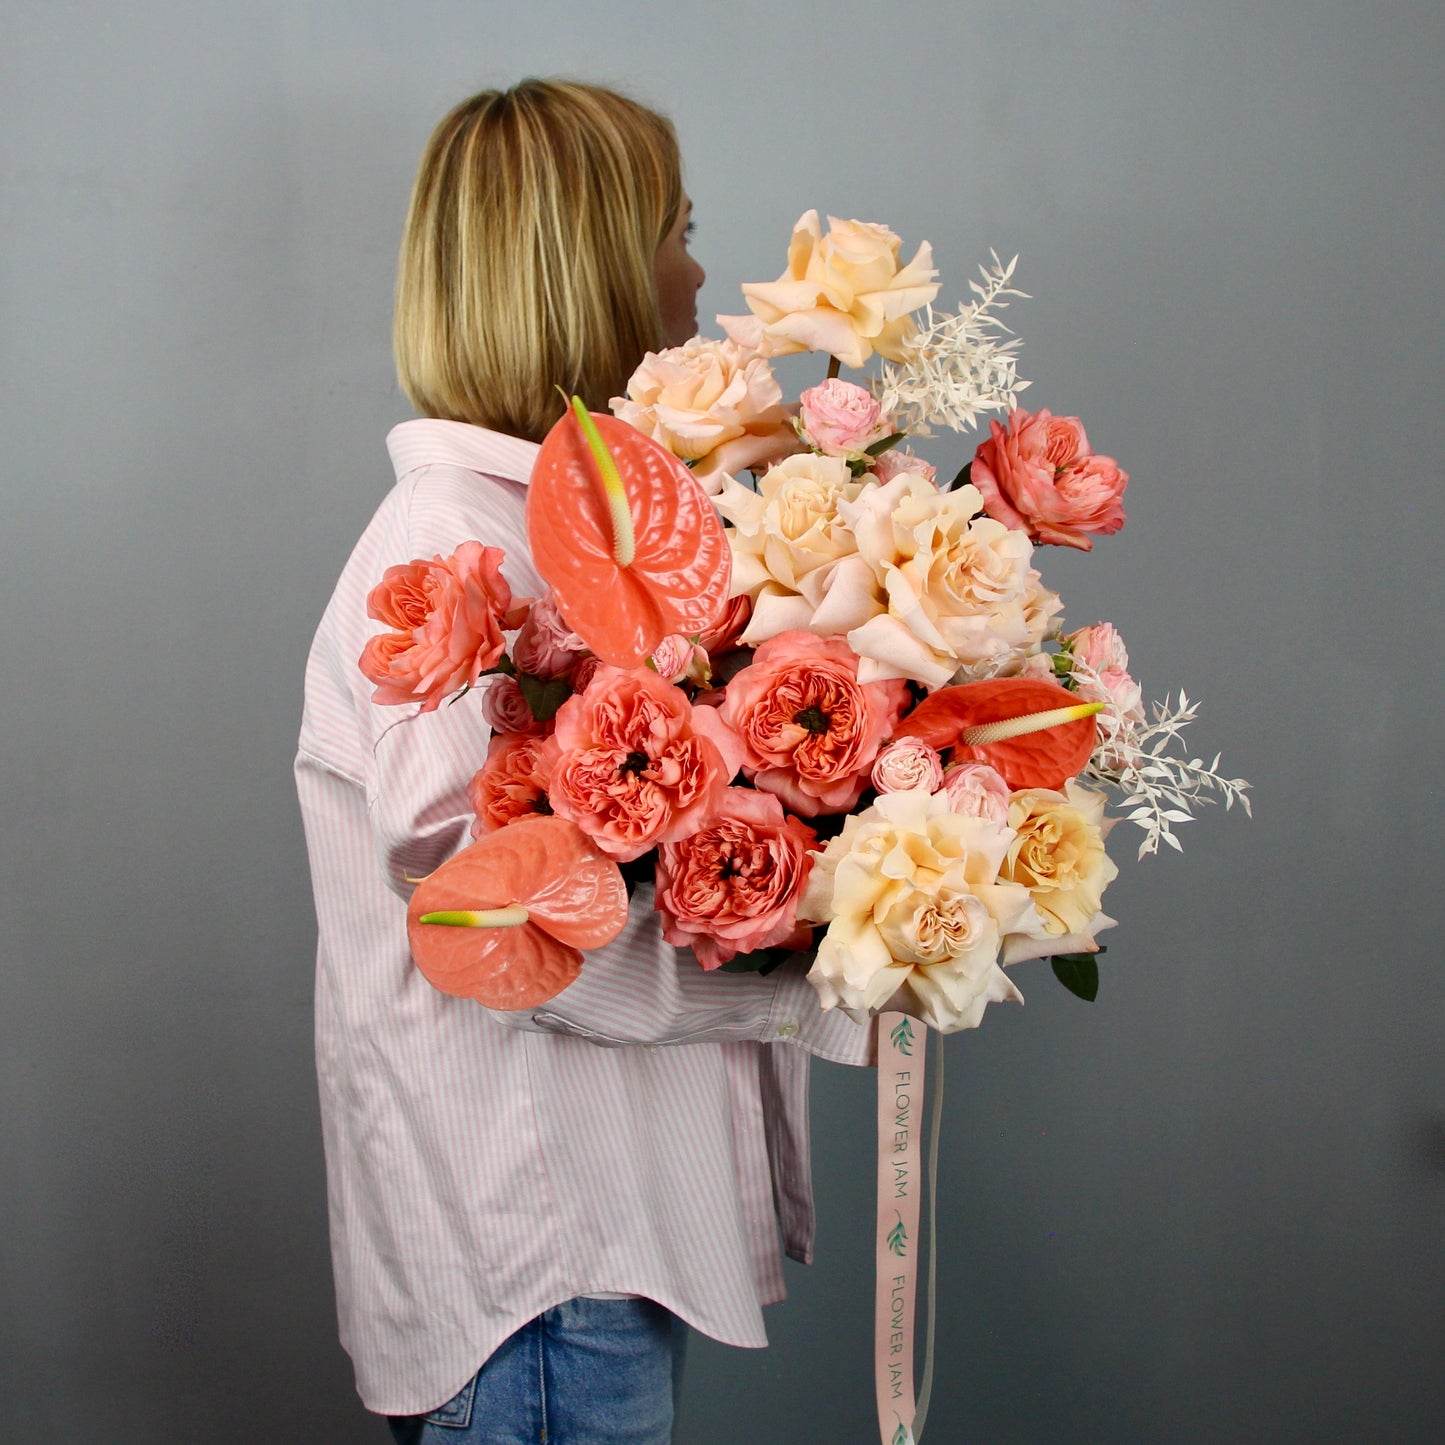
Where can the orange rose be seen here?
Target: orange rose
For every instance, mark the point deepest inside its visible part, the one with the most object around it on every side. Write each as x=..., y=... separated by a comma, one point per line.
x=512, y=783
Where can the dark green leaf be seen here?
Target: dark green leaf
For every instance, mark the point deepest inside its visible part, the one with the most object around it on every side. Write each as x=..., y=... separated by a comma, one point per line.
x=961, y=478
x=1079, y=973
x=544, y=698
x=879, y=447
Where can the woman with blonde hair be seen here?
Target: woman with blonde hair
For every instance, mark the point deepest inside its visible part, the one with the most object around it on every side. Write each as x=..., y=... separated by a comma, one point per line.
x=528, y=1208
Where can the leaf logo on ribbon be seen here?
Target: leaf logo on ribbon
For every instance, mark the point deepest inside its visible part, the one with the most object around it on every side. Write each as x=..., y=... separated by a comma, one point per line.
x=901, y=1435
x=898, y=1237
x=902, y=1036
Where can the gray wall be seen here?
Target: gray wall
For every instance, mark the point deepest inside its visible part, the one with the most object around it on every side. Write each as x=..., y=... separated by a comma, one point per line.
x=1208, y=1207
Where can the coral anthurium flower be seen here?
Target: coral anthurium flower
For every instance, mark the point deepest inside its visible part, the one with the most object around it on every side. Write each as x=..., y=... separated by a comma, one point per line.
x=503, y=921
x=1058, y=744
x=626, y=538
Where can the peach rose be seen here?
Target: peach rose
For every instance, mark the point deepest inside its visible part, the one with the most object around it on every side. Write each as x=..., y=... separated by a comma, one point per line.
x=1057, y=853
x=793, y=554
x=1038, y=474
x=907, y=763
x=711, y=403
x=809, y=729
x=916, y=913
x=841, y=419
x=843, y=293
x=637, y=763
x=955, y=585
x=733, y=886
x=450, y=613
x=512, y=783
x=546, y=647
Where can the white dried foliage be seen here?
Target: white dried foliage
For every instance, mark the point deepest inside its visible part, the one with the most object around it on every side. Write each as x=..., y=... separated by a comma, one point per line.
x=1159, y=789
x=961, y=363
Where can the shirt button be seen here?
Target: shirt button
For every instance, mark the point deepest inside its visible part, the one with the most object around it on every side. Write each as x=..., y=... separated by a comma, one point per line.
x=787, y=1030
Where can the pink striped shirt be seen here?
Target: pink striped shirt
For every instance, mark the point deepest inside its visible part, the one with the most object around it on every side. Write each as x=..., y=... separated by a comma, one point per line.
x=484, y=1166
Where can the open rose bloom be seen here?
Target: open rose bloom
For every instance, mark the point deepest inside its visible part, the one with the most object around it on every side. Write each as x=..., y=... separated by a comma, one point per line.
x=832, y=710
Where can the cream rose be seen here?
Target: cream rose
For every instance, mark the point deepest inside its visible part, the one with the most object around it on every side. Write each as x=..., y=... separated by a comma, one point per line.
x=711, y=403
x=916, y=913
x=955, y=585
x=793, y=554
x=1057, y=853
x=843, y=293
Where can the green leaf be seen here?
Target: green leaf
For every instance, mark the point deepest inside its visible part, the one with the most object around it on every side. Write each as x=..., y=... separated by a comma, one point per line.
x=902, y=1036
x=897, y=1238
x=879, y=447
x=900, y=1435
x=544, y=698
x=1079, y=973
x=961, y=478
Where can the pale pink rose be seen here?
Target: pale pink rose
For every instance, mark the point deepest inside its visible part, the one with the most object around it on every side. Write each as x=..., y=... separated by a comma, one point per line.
x=1039, y=665
x=637, y=763
x=733, y=886
x=506, y=710
x=843, y=293
x=907, y=763
x=512, y=783
x=546, y=647
x=893, y=462
x=450, y=613
x=809, y=728
x=1038, y=475
x=711, y=403
x=1102, y=651
x=977, y=791
x=842, y=419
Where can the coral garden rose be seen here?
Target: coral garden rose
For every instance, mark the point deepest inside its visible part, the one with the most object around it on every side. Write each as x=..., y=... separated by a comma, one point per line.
x=977, y=791
x=955, y=585
x=512, y=783
x=449, y=615
x=794, y=556
x=733, y=886
x=809, y=729
x=843, y=293
x=1057, y=853
x=907, y=763
x=842, y=419
x=1039, y=475
x=916, y=913
x=713, y=404
x=725, y=634
x=637, y=764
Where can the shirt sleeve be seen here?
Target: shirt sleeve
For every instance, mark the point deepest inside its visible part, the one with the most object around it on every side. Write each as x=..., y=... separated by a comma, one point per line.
x=637, y=990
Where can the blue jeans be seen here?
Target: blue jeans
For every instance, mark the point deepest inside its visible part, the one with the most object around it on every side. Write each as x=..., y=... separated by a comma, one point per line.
x=587, y=1372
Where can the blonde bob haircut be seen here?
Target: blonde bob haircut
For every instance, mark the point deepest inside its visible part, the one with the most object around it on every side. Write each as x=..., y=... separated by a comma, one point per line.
x=527, y=259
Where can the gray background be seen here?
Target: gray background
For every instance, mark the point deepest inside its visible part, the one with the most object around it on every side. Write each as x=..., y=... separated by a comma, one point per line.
x=1206, y=1208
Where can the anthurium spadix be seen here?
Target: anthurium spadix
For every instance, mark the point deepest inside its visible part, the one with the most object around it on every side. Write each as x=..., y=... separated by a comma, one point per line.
x=1036, y=734
x=625, y=537
x=503, y=922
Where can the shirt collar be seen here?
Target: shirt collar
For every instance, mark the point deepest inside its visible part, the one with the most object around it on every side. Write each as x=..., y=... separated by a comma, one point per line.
x=429, y=441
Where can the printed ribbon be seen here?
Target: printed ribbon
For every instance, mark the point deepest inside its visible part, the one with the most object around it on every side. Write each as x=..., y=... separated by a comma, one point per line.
x=902, y=1049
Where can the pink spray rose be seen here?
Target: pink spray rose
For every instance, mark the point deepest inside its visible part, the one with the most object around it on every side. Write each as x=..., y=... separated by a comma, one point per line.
x=637, y=763
x=894, y=461
x=733, y=886
x=449, y=614
x=506, y=709
x=546, y=647
x=512, y=783
x=907, y=763
x=840, y=418
x=809, y=728
x=1038, y=475
x=1101, y=649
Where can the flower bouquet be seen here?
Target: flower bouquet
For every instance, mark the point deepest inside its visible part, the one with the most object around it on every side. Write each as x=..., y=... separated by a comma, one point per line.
x=822, y=703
